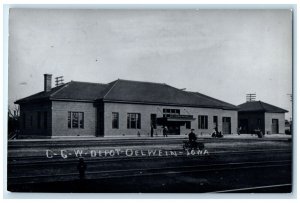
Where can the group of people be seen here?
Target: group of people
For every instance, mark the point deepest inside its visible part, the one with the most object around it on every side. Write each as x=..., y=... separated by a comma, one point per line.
x=192, y=136
x=217, y=133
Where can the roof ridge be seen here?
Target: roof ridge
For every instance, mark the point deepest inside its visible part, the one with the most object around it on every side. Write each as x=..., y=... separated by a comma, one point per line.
x=180, y=90
x=55, y=92
x=141, y=81
x=175, y=88
x=213, y=99
x=89, y=82
x=116, y=81
x=208, y=97
x=195, y=94
x=262, y=105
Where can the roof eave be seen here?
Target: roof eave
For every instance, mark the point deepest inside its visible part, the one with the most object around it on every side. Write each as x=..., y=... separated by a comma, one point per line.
x=74, y=100
x=22, y=101
x=262, y=111
x=54, y=99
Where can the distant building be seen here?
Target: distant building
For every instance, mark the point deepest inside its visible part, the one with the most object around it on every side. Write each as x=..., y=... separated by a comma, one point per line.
x=257, y=115
x=121, y=107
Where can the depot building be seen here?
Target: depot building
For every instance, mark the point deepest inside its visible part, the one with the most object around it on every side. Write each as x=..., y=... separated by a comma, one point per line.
x=121, y=107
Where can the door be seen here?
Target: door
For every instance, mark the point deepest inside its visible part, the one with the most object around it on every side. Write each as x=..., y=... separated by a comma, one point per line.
x=153, y=119
x=226, y=125
x=275, y=127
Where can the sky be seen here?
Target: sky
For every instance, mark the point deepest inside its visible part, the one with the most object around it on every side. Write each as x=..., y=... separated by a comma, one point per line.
x=224, y=54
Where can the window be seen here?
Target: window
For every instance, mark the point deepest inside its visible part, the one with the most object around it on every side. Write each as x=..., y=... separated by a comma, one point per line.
x=153, y=120
x=134, y=121
x=202, y=122
x=171, y=112
x=75, y=119
x=39, y=120
x=215, y=118
x=215, y=121
x=45, y=120
x=69, y=119
x=115, y=120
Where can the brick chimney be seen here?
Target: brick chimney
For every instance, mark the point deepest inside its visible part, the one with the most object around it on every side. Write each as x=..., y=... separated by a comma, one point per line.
x=47, y=82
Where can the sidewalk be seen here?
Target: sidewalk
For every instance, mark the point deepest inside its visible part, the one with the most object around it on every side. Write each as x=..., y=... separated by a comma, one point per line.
x=135, y=137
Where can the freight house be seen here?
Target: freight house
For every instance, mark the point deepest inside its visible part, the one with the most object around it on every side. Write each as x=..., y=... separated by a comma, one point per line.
x=121, y=107
x=258, y=115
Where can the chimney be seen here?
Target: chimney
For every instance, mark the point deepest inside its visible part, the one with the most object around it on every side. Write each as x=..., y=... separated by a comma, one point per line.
x=47, y=82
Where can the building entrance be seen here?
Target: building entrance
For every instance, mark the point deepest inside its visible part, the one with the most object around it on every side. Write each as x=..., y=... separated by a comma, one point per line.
x=173, y=122
x=226, y=125
x=243, y=123
x=173, y=128
x=275, y=127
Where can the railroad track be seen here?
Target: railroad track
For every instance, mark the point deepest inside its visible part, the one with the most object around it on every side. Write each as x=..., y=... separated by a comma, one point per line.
x=161, y=171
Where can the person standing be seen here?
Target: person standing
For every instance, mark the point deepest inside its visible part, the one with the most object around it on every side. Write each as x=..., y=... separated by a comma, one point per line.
x=165, y=131
x=81, y=168
x=192, y=138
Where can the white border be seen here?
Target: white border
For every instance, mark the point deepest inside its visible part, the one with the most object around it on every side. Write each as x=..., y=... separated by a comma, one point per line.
x=120, y=4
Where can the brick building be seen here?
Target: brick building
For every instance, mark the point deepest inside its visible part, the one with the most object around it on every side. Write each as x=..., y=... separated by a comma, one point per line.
x=258, y=115
x=121, y=107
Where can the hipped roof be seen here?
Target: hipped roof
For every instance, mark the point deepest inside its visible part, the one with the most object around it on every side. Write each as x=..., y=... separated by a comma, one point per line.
x=127, y=91
x=259, y=106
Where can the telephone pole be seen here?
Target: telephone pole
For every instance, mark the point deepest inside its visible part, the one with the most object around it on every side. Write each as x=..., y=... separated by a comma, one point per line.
x=250, y=97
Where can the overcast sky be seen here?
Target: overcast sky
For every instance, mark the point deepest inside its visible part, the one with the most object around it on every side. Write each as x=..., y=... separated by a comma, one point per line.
x=222, y=53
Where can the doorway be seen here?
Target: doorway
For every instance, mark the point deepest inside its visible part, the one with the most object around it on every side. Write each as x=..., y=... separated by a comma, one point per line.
x=173, y=128
x=226, y=125
x=275, y=126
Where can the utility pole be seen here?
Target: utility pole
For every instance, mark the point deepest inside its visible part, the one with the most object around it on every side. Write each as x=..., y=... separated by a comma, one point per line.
x=250, y=97
x=59, y=81
x=291, y=97
x=291, y=100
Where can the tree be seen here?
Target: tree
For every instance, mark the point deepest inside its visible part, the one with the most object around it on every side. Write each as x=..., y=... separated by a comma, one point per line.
x=13, y=120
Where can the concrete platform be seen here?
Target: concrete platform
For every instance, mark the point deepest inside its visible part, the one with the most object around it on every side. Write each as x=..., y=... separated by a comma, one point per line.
x=135, y=137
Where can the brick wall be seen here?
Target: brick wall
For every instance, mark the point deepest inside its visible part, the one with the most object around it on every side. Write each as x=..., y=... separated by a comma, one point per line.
x=268, y=121
x=57, y=124
x=60, y=111
x=147, y=110
x=30, y=113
